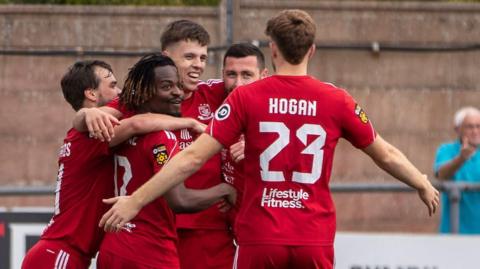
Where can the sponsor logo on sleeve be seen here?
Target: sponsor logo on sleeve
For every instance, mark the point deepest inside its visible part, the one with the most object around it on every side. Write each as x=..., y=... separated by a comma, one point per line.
x=160, y=154
x=361, y=114
x=223, y=112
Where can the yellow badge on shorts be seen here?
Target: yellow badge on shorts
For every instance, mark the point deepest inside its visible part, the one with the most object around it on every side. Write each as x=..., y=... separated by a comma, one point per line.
x=361, y=114
x=160, y=154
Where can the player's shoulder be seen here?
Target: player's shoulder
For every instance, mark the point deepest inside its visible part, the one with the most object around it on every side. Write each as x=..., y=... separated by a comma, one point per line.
x=328, y=86
x=77, y=136
x=264, y=83
x=213, y=90
x=210, y=83
x=338, y=93
x=161, y=135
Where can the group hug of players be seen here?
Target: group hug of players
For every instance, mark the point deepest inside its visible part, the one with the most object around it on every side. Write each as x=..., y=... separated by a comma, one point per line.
x=228, y=173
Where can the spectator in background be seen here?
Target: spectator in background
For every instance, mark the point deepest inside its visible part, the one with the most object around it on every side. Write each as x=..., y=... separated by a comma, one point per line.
x=459, y=160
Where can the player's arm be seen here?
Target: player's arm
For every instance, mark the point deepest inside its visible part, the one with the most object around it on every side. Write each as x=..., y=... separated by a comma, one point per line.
x=99, y=122
x=149, y=122
x=179, y=168
x=237, y=150
x=448, y=170
x=185, y=200
x=396, y=164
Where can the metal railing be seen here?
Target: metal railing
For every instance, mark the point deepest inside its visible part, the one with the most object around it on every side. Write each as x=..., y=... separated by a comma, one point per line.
x=454, y=191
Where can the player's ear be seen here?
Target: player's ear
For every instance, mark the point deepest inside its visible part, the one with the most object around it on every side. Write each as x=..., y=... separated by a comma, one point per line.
x=166, y=53
x=273, y=49
x=90, y=94
x=264, y=73
x=311, y=51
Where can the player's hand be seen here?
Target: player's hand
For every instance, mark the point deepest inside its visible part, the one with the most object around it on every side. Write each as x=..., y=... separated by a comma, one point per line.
x=467, y=149
x=224, y=206
x=100, y=124
x=231, y=196
x=198, y=127
x=123, y=210
x=430, y=196
x=237, y=150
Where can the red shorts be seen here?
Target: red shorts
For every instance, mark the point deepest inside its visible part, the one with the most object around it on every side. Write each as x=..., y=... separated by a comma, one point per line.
x=108, y=260
x=200, y=249
x=48, y=254
x=283, y=257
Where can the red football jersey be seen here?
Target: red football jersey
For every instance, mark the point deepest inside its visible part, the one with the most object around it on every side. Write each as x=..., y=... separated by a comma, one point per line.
x=201, y=106
x=84, y=178
x=115, y=103
x=152, y=232
x=291, y=126
x=232, y=173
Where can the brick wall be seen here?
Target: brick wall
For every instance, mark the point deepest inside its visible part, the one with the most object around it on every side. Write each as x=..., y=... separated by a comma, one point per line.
x=409, y=96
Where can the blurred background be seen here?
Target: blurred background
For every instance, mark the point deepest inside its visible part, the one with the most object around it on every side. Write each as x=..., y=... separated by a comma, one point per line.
x=410, y=65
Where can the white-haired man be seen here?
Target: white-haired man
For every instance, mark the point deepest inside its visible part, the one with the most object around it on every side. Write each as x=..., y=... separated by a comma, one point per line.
x=459, y=160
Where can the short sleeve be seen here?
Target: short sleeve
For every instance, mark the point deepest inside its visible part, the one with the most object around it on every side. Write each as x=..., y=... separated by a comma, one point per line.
x=356, y=127
x=91, y=146
x=445, y=153
x=160, y=147
x=228, y=122
x=216, y=92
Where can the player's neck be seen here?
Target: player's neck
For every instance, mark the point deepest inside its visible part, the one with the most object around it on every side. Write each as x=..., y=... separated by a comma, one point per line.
x=88, y=103
x=286, y=69
x=188, y=94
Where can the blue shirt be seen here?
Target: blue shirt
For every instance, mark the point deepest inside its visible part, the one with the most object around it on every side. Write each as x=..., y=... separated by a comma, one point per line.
x=469, y=210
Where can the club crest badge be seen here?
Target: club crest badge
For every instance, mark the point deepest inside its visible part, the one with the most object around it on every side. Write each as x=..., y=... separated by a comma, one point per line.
x=160, y=154
x=361, y=114
x=204, y=111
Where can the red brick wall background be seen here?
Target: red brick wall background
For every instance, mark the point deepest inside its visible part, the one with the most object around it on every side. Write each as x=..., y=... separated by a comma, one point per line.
x=409, y=96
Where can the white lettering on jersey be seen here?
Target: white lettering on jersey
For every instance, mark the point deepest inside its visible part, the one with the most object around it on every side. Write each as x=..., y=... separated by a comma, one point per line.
x=273, y=197
x=132, y=141
x=58, y=188
x=315, y=149
x=299, y=107
x=185, y=134
x=184, y=145
x=122, y=161
x=64, y=150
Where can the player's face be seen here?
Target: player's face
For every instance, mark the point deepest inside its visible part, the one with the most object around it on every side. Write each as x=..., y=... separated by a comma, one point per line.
x=470, y=129
x=240, y=71
x=169, y=95
x=190, y=58
x=107, y=89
